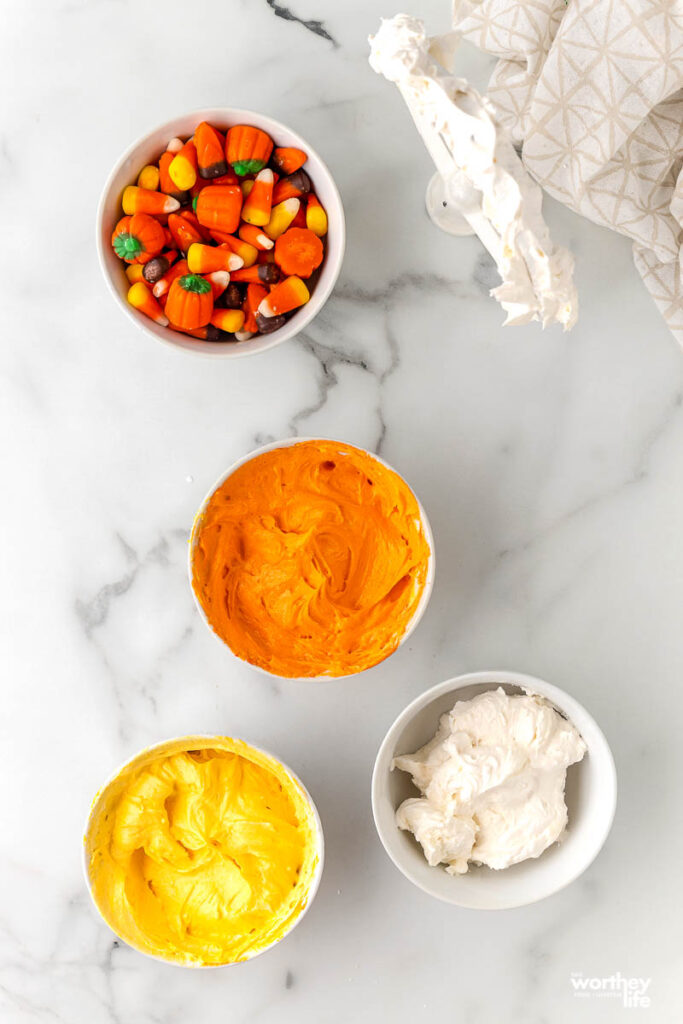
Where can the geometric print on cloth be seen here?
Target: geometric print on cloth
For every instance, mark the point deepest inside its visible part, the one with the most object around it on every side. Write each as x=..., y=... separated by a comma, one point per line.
x=593, y=89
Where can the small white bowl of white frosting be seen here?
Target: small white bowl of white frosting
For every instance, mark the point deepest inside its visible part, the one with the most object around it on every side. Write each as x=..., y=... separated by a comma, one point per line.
x=493, y=790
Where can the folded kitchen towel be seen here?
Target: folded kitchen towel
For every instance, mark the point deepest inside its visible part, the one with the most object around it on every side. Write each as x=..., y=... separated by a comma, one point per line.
x=593, y=89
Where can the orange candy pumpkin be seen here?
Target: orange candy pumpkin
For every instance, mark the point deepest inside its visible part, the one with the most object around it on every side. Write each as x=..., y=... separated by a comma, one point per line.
x=138, y=239
x=248, y=149
x=219, y=207
x=190, y=302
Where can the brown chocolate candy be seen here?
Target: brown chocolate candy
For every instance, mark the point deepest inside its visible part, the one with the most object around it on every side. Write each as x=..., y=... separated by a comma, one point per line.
x=155, y=269
x=269, y=273
x=268, y=324
x=231, y=298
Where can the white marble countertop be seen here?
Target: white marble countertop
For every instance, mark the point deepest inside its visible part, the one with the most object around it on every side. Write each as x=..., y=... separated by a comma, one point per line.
x=551, y=467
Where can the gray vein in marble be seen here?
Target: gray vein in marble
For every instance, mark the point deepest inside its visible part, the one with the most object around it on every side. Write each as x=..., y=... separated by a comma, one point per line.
x=391, y=292
x=317, y=27
x=261, y=439
x=394, y=363
x=93, y=614
x=108, y=969
x=336, y=103
x=327, y=358
x=24, y=963
x=330, y=356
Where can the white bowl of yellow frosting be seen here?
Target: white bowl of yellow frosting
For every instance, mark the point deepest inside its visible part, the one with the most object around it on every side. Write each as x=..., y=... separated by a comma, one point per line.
x=547, y=866
x=203, y=851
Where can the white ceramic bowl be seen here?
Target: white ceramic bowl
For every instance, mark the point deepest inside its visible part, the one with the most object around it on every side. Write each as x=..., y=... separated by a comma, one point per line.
x=286, y=443
x=147, y=149
x=199, y=742
x=591, y=794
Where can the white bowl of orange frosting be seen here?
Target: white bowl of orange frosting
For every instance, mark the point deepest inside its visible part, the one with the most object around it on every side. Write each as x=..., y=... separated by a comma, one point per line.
x=311, y=559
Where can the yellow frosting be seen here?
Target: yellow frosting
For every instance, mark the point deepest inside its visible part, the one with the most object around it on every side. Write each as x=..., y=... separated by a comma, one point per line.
x=203, y=855
x=311, y=560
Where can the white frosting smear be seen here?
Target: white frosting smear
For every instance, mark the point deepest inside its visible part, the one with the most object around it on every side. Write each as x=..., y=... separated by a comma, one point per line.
x=483, y=176
x=492, y=782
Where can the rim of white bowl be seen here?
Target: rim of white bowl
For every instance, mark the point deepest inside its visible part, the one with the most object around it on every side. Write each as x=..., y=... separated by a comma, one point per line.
x=289, y=442
x=320, y=294
x=205, y=738
x=560, y=699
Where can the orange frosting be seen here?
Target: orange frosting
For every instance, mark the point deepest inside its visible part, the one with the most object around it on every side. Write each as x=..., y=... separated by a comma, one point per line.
x=311, y=560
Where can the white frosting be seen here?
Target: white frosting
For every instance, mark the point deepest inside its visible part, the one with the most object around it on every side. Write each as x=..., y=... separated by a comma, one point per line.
x=484, y=177
x=492, y=782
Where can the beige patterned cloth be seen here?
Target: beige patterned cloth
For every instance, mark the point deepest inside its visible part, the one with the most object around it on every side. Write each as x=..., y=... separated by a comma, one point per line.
x=594, y=90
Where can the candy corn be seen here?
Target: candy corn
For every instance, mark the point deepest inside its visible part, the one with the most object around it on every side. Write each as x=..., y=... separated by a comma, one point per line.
x=297, y=184
x=282, y=216
x=256, y=293
x=268, y=324
x=162, y=286
x=210, y=147
x=288, y=159
x=141, y=298
x=249, y=253
x=228, y=320
x=149, y=177
x=134, y=272
x=261, y=273
x=144, y=200
x=204, y=259
x=206, y=333
x=316, y=218
x=254, y=236
x=219, y=281
x=185, y=233
x=166, y=183
x=259, y=202
x=199, y=227
x=284, y=297
x=183, y=167
x=300, y=219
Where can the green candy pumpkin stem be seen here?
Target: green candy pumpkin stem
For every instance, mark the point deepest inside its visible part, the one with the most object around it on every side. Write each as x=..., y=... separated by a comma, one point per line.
x=194, y=283
x=242, y=167
x=127, y=246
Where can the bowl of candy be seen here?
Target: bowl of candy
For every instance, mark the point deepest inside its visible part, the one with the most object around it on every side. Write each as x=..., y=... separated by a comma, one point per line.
x=221, y=232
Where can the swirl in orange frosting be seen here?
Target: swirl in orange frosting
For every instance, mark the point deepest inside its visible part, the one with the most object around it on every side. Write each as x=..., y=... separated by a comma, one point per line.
x=310, y=560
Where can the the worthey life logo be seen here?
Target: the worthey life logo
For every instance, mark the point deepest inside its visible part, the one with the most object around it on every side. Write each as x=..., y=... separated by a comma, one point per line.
x=633, y=992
